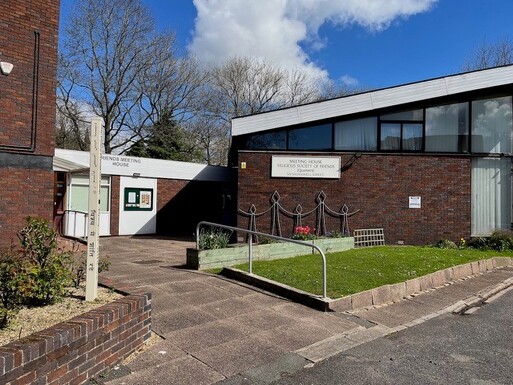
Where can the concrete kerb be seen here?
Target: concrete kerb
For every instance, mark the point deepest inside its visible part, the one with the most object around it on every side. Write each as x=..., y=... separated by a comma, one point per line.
x=481, y=297
x=378, y=296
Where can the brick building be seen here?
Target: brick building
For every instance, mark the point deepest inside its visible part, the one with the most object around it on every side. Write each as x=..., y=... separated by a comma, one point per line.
x=425, y=161
x=28, y=41
x=141, y=195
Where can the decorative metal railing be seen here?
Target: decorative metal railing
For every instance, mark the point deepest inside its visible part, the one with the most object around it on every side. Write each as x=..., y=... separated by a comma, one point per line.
x=297, y=215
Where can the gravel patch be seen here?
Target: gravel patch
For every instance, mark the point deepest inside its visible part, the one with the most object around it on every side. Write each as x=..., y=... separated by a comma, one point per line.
x=31, y=320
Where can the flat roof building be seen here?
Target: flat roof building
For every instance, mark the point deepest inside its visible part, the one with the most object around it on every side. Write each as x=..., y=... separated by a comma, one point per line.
x=425, y=161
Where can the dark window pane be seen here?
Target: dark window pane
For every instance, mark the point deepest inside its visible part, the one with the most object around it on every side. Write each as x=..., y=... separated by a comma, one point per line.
x=311, y=138
x=268, y=141
x=412, y=137
x=358, y=134
x=412, y=115
x=390, y=136
x=447, y=128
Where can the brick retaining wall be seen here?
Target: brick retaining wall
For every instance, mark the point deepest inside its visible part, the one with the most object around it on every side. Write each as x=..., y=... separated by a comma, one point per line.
x=71, y=352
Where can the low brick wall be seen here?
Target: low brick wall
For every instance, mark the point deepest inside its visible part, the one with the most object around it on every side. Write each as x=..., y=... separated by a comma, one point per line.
x=71, y=352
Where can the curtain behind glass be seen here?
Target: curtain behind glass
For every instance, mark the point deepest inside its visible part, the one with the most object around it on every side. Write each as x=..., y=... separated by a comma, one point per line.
x=492, y=125
x=356, y=135
x=491, y=195
x=447, y=128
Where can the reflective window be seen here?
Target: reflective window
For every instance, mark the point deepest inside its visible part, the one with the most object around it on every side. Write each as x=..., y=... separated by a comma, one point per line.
x=412, y=115
x=311, y=138
x=412, y=137
x=268, y=141
x=447, y=128
x=492, y=125
x=390, y=136
x=359, y=134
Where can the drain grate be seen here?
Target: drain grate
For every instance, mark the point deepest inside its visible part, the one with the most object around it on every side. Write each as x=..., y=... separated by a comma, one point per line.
x=148, y=261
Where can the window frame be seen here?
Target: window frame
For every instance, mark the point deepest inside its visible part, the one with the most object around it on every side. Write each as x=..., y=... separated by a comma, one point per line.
x=401, y=140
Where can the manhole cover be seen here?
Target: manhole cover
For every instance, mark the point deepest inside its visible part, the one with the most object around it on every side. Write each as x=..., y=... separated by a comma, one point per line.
x=148, y=261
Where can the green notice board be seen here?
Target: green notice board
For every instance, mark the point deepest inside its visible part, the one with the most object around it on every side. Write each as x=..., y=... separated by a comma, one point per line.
x=138, y=199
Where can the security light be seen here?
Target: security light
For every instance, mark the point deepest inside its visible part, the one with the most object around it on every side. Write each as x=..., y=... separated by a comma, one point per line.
x=6, y=68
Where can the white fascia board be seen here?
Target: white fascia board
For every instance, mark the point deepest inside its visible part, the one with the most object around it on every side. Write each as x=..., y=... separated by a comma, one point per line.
x=372, y=100
x=149, y=168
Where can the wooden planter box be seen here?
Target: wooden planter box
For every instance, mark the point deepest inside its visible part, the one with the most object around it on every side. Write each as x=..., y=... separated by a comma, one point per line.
x=210, y=259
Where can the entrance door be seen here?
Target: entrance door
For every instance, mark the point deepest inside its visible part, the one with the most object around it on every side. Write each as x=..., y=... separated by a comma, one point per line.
x=59, y=192
x=76, y=213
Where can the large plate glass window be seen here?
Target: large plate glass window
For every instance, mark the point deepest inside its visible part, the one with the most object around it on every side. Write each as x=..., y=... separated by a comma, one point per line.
x=311, y=138
x=357, y=135
x=492, y=125
x=491, y=195
x=267, y=141
x=447, y=128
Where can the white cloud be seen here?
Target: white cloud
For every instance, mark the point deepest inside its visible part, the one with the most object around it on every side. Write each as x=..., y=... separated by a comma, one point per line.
x=274, y=29
x=349, y=81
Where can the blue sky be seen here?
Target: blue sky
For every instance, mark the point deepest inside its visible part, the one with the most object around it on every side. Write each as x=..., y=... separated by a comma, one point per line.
x=370, y=43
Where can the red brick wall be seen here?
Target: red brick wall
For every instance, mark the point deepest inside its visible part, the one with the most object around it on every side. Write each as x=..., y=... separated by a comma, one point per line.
x=25, y=192
x=378, y=185
x=74, y=351
x=19, y=21
x=182, y=204
x=167, y=190
x=28, y=40
x=114, y=209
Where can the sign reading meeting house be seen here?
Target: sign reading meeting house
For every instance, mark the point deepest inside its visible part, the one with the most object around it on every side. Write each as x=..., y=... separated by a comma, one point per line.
x=305, y=167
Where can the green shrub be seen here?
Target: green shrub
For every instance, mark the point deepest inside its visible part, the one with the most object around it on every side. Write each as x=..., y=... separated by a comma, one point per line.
x=78, y=265
x=446, y=244
x=479, y=243
x=38, y=240
x=14, y=285
x=213, y=239
x=49, y=267
x=501, y=240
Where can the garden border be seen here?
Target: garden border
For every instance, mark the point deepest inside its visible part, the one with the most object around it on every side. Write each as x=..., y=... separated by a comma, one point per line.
x=215, y=258
x=76, y=350
x=377, y=296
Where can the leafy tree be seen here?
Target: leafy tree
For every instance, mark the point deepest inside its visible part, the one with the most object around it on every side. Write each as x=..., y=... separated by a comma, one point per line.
x=166, y=140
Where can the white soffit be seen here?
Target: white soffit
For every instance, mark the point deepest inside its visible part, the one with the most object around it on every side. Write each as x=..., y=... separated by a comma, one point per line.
x=78, y=161
x=372, y=100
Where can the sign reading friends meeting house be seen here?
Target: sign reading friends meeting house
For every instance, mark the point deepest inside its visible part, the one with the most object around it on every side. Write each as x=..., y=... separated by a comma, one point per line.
x=305, y=167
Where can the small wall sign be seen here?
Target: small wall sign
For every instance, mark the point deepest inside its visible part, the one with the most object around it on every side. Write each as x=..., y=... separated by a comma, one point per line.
x=138, y=199
x=414, y=202
x=323, y=167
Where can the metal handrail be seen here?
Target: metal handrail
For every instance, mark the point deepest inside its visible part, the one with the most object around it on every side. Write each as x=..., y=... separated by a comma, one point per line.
x=66, y=216
x=250, y=245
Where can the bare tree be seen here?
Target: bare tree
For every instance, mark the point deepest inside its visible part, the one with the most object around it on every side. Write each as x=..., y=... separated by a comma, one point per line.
x=490, y=55
x=243, y=86
x=128, y=73
x=71, y=125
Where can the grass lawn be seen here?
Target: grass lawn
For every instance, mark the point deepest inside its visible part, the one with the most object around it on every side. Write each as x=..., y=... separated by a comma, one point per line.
x=357, y=270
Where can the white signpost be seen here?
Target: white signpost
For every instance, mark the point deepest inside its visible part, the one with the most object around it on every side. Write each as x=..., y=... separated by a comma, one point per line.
x=324, y=167
x=93, y=218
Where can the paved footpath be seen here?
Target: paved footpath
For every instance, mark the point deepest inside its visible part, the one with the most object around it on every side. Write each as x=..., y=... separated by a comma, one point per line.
x=216, y=330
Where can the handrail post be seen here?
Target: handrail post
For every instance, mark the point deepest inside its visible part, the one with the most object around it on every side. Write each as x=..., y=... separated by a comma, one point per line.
x=250, y=240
